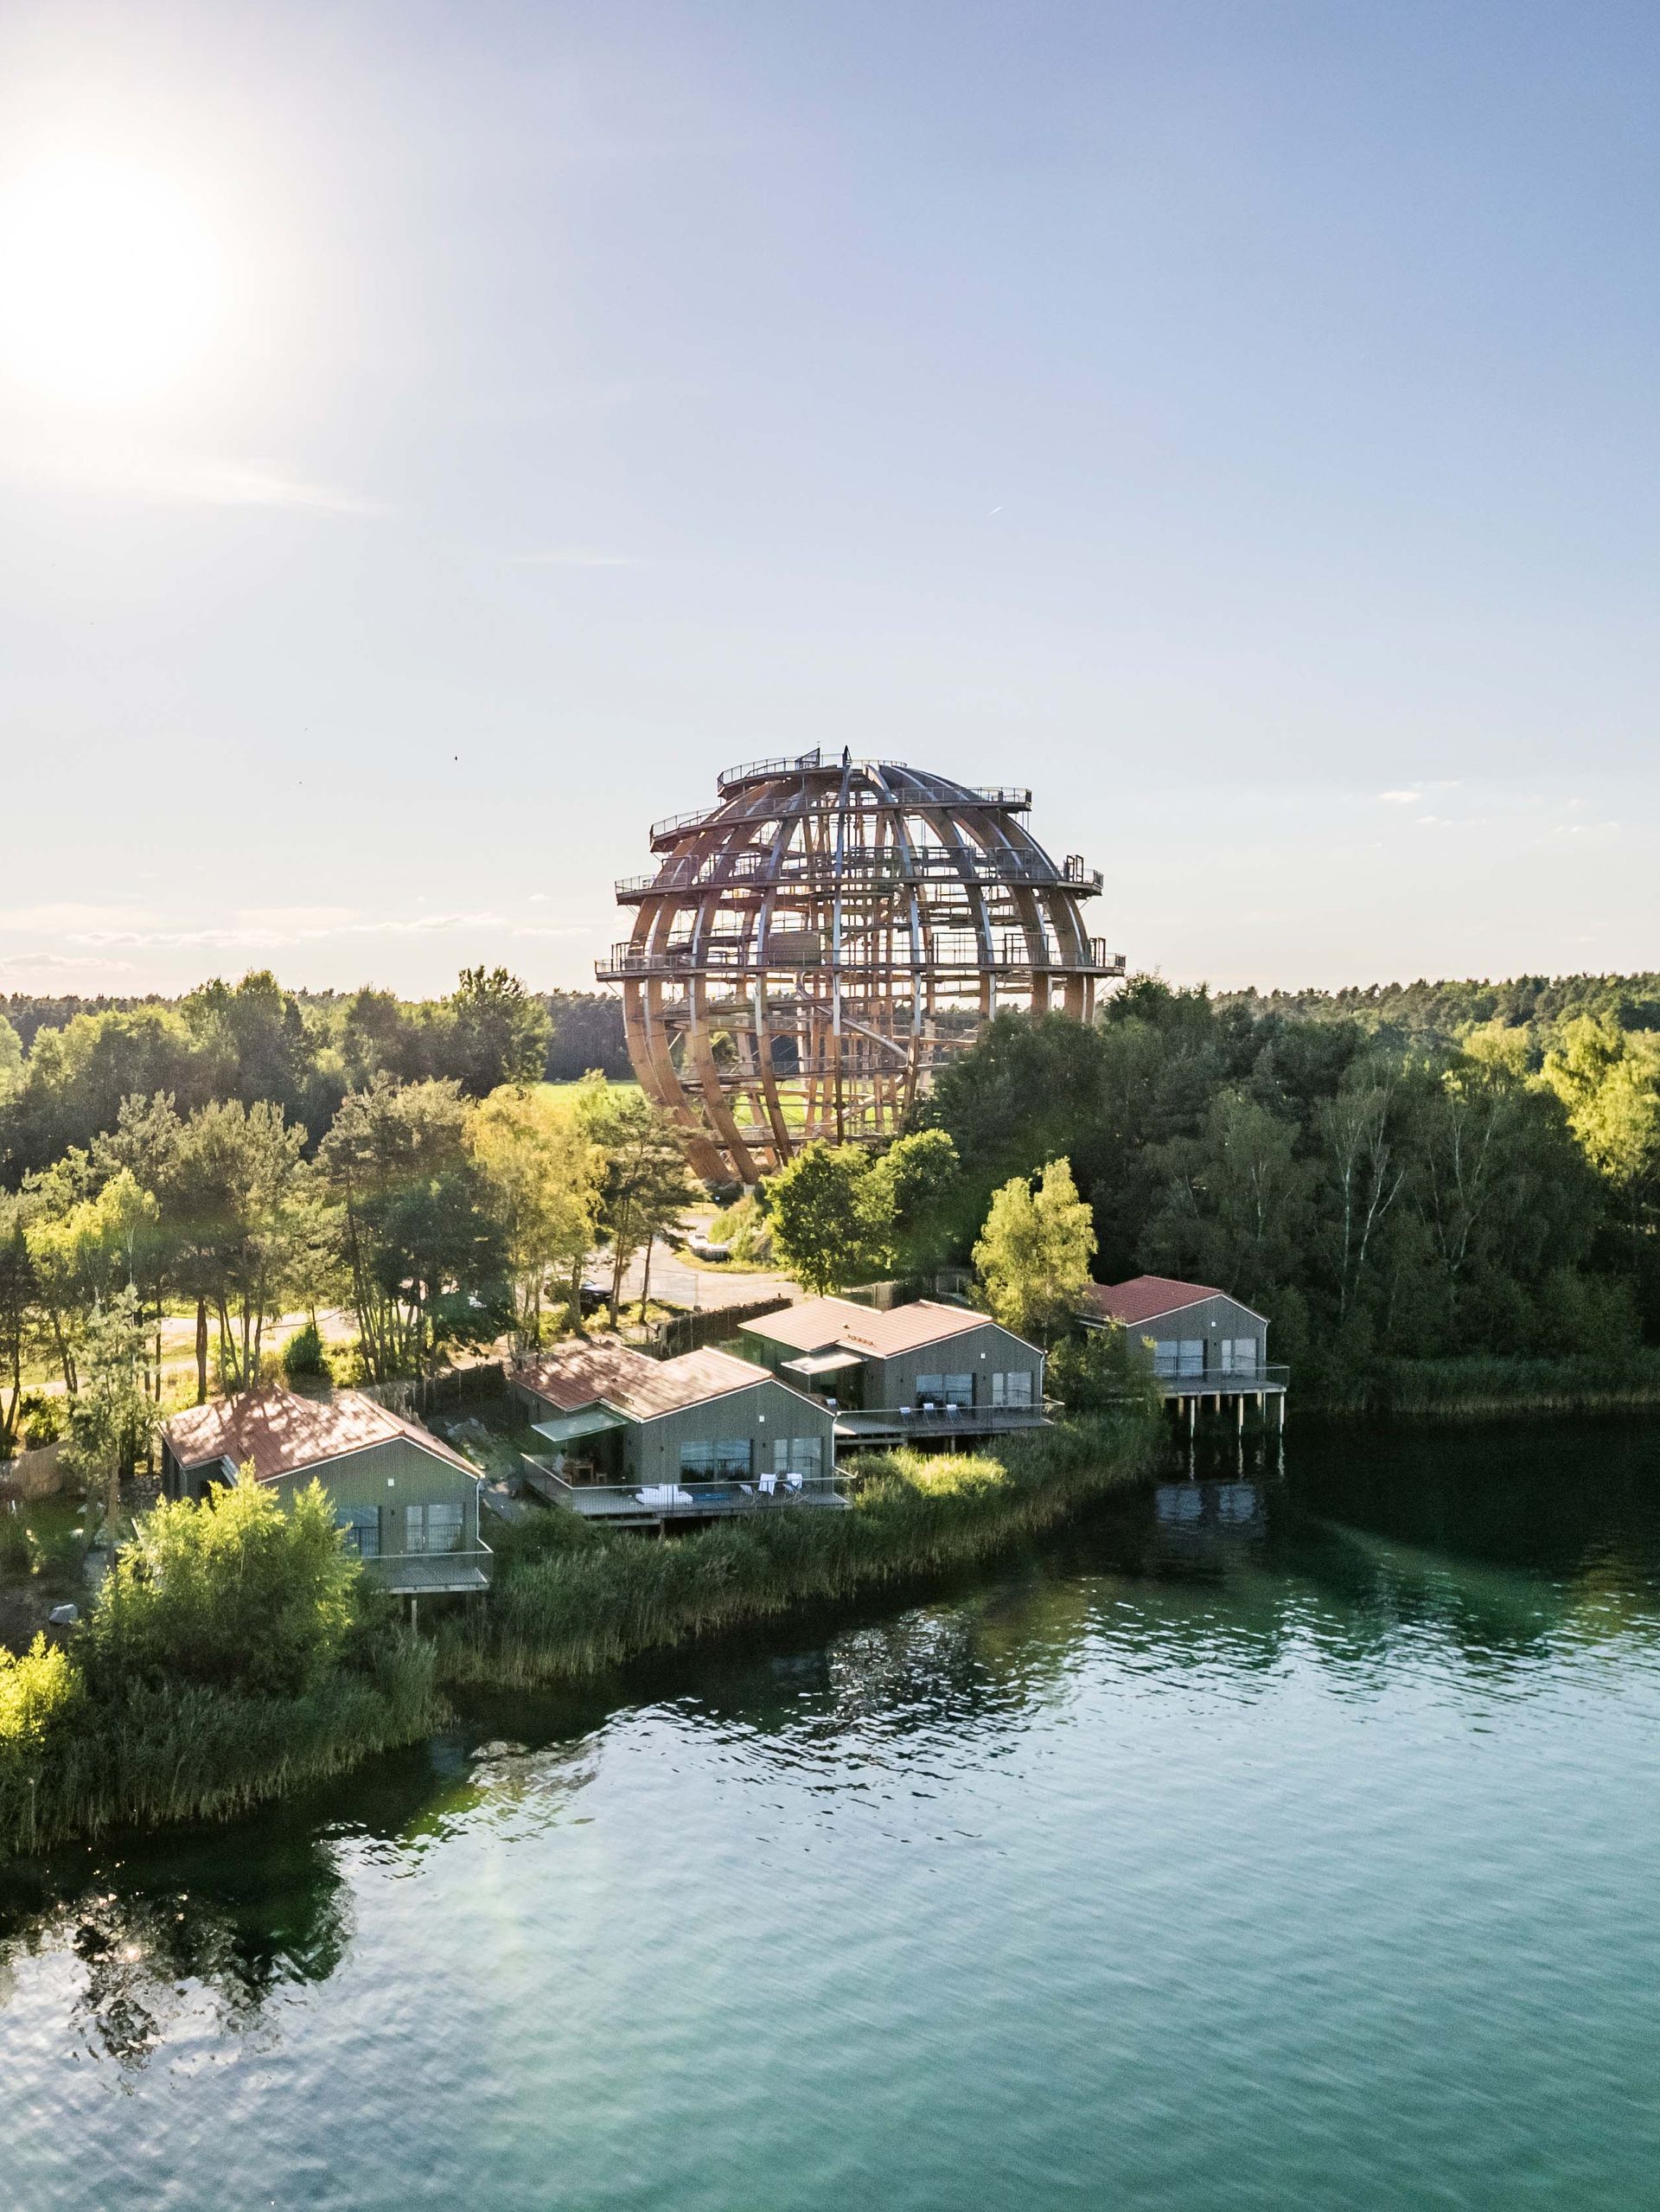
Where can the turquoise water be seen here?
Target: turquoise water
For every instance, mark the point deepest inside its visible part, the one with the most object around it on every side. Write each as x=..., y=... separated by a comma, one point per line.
x=1276, y=1843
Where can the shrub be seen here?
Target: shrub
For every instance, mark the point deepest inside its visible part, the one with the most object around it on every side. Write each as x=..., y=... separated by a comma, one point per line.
x=42, y=1419
x=303, y=1357
x=17, y=1552
x=237, y=1592
x=745, y=1227
x=38, y=1692
x=1099, y=1371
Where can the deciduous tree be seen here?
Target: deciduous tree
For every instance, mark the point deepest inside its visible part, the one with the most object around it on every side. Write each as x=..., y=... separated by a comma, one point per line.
x=1034, y=1252
x=545, y=1176
x=832, y=1218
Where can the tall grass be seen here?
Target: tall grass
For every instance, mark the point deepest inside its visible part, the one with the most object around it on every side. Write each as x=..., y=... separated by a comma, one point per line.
x=195, y=1752
x=570, y=1598
x=79, y=1755
x=1481, y=1386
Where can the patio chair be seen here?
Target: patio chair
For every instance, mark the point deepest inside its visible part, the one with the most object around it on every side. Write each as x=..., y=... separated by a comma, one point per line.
x=793, y=1482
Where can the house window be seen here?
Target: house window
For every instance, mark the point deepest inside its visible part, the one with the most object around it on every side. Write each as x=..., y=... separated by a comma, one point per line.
x=945, y=1390
x=798, y=1456
x=361, y=1530
x=432, y=1528
x=727, y=1459
x=1178, y=1357
x=1239, y=1355
x=1011, y=1390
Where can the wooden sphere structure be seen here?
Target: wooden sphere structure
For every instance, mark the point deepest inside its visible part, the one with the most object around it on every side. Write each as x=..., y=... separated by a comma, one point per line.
x=813, y=945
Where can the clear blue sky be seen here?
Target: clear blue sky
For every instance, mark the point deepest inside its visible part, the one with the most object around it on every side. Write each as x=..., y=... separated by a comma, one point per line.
x=474, y=424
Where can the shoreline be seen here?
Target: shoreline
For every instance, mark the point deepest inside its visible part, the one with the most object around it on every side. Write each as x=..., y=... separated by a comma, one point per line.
x=569, y=1601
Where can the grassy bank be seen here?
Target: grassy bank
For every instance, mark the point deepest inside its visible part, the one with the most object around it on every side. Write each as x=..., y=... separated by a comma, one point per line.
x=1484, y=1387
x=570, y=1598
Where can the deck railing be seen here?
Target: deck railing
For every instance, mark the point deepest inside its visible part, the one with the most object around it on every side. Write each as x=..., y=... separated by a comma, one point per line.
x=883, y=864
x=937, y=1420
x=1206, y=1382
x=412, y=1573
x=1007, y=798
x=743, y=961
x=680, y=1497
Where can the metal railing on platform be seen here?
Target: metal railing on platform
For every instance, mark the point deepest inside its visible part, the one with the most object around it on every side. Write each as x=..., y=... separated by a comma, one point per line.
x=742, y=961
x=937, y=1420
x=407, y=1574
x=864, y=865
x=1007, y=798
x=1208, y=1381
x=681, y=1497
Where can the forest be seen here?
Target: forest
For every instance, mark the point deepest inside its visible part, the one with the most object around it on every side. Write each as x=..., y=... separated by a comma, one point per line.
x=240, y=1157
x=1439, y=1174
x=1427, y=1173
x=255, y=1041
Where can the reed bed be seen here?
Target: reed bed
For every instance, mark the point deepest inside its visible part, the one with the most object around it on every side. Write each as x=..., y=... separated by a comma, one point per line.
x=570, y=1599
x=75, y=1760
x=197, y=1753
x=1483, y=1386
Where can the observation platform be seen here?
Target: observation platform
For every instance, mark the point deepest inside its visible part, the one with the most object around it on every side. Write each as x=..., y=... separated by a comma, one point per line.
x=734, y=964
x=864, y=867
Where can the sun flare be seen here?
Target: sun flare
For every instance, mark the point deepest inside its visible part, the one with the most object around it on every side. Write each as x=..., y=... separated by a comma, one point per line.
x=110, y=279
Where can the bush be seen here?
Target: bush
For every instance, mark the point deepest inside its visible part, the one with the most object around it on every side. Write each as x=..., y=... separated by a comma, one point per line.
x=38, y=1693
x=303, y=1357
x=17, y=1552
x=745, y=1227
x=235, y=1592
x=42, y=1419
x=1099, y=1371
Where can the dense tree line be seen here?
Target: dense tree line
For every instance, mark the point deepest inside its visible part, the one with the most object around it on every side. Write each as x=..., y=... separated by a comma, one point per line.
x=1376, y=1194
x=1541, y=1004
x=226, y=1155
x=62, y=1081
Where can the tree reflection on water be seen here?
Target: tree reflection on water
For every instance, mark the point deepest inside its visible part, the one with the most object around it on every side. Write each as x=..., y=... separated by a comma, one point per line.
x=157, y=1938
x=1493, y=1556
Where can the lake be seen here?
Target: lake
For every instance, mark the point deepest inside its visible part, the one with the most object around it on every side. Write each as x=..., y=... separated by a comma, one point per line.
x=1289, y=1841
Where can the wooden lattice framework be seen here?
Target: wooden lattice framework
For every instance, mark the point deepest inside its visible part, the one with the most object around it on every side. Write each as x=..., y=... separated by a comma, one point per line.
x=813, y=943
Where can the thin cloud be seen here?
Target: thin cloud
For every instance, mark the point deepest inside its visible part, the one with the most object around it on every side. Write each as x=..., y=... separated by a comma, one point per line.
x=188, y=480
x=573, y=557
x=1399, y=798
x=257, y=930
x=62, y=963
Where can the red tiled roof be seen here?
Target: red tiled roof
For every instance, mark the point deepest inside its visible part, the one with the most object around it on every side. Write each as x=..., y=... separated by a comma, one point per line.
x=1145, y=1297
x=817, y=1323
x=573, y=1376
x=282, y=1433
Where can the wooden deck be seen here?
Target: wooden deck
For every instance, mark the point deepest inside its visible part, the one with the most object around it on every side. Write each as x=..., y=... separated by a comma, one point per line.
x=653, y=1505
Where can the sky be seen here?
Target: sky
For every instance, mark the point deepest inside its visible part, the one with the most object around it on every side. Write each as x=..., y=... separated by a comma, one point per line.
x=434, y=440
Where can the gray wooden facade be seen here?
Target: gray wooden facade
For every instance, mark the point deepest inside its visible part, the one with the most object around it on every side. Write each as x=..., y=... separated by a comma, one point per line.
x=759, y=1417
x=1216, y=1341
x=381, y=1496
x=977, y=1379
